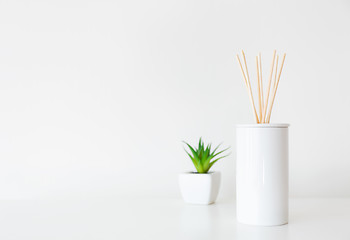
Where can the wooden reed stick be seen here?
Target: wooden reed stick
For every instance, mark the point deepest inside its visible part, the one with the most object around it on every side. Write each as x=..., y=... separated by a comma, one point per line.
x=246, y=66
x=269, y=86
x=261, y=83
x=249, y=90
x=275, y=90
x=274, y=82
x=259, y=88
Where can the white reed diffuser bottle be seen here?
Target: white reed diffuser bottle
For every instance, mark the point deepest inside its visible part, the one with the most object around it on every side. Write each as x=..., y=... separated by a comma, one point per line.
x=262, y=174
x=262, y=157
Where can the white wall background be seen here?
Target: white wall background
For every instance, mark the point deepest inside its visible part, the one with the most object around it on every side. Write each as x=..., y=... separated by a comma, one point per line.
x=96, y=96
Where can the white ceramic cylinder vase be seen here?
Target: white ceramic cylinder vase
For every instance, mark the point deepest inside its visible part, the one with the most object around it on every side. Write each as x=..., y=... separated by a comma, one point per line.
x=262, y=174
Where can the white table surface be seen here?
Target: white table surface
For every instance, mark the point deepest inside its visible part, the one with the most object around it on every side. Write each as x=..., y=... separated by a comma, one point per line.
x=164, y=218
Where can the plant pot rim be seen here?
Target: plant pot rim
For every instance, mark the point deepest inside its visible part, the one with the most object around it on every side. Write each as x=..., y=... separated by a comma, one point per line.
x=196, y=173
x=263, y=125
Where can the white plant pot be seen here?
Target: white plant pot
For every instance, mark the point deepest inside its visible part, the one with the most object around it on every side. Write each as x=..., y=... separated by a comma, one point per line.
x=199, y=188
x=262, y=174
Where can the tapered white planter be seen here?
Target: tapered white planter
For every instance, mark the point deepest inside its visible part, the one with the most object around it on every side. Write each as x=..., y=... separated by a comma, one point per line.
x=262, y=174
x=199, y=188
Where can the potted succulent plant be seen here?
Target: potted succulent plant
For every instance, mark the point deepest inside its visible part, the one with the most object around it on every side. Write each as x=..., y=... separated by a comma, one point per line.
x=201, y=187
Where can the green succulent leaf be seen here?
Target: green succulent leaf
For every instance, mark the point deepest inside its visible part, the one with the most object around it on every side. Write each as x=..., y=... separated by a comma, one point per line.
x=221, y=152
x=202, y=156
x=195, y=163
x=192, y=150
x=212, y=163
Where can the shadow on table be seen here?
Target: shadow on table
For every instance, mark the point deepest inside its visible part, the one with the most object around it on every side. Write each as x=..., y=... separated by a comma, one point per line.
x=248, y=232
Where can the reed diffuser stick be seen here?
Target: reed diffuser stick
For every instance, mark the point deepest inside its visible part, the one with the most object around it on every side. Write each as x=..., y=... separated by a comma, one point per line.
x=275, y=90
x=274, y=81
x=249, y=90
x=259, y=88
x=269, y=86
x=265, y=109
x=261, y=82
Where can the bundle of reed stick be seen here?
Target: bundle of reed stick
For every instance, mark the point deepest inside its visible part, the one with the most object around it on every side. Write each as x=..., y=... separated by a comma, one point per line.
x=264, y=114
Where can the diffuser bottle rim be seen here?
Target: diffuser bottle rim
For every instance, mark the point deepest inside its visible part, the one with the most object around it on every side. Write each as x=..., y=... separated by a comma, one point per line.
x=264, y=125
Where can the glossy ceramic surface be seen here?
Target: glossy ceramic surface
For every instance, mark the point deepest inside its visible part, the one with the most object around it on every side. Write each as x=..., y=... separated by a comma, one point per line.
x=262, y=174
x=199, y=188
